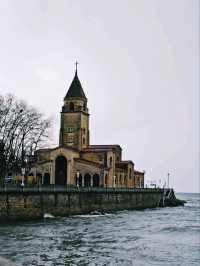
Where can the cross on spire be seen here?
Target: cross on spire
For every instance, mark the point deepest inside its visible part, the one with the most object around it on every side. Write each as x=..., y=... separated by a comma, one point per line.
x=76, y=64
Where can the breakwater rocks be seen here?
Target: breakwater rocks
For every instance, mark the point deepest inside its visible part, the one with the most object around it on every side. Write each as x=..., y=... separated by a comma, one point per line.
x=170, y=200
x=32, y=203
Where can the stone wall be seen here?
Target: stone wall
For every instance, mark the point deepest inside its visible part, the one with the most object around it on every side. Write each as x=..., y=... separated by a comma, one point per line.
x=29, y=205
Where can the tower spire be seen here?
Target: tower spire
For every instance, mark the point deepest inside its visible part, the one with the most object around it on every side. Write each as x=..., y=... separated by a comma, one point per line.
x=76, y=64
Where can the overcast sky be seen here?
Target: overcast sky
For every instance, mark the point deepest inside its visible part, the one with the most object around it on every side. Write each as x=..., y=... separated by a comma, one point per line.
x=139, y=67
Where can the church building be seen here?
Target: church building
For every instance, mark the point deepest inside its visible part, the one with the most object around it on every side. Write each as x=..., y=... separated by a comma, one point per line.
x=75, y=162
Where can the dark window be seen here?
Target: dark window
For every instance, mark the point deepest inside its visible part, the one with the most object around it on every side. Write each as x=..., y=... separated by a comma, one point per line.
x=125, y=180
x=110, y=161
x=106, y=180
x=39, y=178
x=83, y=140
x=70, y=130
x=79, y=179
x=105, y=159
x=96, y=180
x=87, y=180
x=46, y=179
x=130, y=173
x=84, y=107
x=120, y=179
x=71, y=106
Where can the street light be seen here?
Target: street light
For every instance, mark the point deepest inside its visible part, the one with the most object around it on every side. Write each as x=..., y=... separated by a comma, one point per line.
x=24, y=171
x=168, y=180
x=77, y=178
x=23, y=174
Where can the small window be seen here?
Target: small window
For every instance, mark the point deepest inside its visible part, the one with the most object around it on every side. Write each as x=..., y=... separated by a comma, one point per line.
x=130, y=172
x=110, y=161
x=71, y=106
x=83, y=130
x=83, y=140
x=84, y=107
x=70, y=130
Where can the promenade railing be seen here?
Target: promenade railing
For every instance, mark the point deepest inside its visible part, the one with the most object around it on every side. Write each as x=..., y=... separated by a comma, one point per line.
x=73, y=189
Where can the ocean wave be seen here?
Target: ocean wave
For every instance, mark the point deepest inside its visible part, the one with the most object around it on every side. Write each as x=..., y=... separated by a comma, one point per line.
x=48, y=215
x=185, y=229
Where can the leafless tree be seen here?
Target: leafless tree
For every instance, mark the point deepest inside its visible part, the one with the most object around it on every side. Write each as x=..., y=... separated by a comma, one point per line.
x=22, y=130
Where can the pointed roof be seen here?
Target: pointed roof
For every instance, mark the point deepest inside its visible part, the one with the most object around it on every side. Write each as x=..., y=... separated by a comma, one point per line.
x=75, y=89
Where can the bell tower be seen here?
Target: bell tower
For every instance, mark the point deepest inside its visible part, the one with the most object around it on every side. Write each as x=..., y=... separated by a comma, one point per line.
x=74, y=126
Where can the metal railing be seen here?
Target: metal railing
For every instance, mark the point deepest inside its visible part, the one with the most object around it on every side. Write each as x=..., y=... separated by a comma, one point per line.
x=73, y=189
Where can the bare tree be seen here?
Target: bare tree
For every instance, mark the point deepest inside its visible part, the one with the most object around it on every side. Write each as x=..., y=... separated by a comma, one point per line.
x=22, y=130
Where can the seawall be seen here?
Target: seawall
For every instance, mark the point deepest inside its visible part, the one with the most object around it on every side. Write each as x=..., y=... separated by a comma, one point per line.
x=33, y=203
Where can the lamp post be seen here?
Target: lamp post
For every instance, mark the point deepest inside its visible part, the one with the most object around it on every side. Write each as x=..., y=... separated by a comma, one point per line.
x=168, y=174
x=23, y=174
x=77, y=178
x=24, y=165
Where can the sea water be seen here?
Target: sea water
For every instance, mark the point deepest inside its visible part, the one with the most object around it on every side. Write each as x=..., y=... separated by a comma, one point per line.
x=161, y=236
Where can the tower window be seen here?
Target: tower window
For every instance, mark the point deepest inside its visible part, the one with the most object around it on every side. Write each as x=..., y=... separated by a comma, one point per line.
x=71, y=106
x=130, y=172
x=84, y=107
x=83, y=130
x=70, y=129
x=83, y=140
x=110, y=161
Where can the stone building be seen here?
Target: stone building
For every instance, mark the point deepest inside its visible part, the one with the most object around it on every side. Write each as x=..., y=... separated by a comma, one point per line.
x=75, y=161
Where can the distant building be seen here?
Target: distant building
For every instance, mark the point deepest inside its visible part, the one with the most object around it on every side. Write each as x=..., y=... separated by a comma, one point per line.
x=75, y=161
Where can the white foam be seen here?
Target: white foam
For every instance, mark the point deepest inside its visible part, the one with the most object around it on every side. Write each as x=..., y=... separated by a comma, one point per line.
x=48, y=215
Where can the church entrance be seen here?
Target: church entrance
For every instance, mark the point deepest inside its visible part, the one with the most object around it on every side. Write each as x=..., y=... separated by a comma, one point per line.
x=61, y=171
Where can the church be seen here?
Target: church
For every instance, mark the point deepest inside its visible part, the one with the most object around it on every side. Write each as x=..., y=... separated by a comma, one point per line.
x=75, y=162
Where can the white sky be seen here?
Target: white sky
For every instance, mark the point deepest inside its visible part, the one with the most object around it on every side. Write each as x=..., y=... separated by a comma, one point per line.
x=139, y=67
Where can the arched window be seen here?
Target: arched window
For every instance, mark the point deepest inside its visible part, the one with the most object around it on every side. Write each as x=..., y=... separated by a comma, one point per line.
x=46, y=179
x=83, y=140
x=106, y=180
x=78, y=179
x=87, y=180
x=96, y=180
x=120, y=179
x=130, y=172
x=125, y=181
x=111, y=161
x=71, y=106
x=39, y=178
